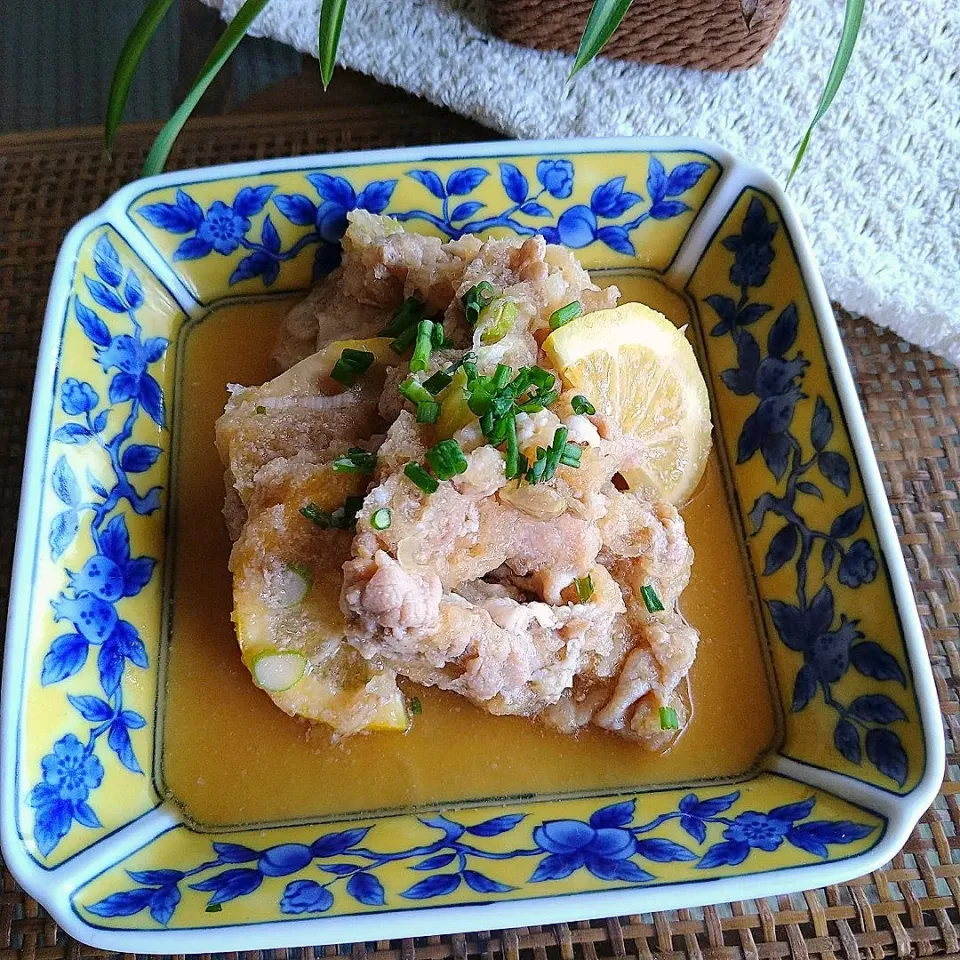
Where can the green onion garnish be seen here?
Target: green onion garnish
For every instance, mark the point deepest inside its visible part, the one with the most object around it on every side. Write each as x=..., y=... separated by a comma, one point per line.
x=501, y=376
x=421, y=352
x=544, y=379
x=582, y=406
x=476, y=298
x=538, y=401
x=571, y=455
x=381, y=519
x=521, y=381
x=446, y=459
x=316, y=516
x=415, y=391
x=437, y=339
x=650, y=599
x=404, y=341
x=584, y=588
x=261, y=409
x=513, y=453
x=420, y=477
x=428, y=411
x=565, y=314
x=438, y=382
x=407, y=316
x=352, y=364
x=356, y=461
x=669, y=719
x=416, y=707
x=496, y=320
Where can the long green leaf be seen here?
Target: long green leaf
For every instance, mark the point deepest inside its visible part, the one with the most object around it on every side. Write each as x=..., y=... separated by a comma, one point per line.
x=228, y=42
x=848, y=40
x=331, y=23
x=604, y=18
x=127, y=63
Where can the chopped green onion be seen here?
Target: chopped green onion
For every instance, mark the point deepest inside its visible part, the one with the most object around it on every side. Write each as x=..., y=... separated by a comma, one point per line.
x=521, y=381
x=407, y=316
x=501, y=376
x=437, y=338
x=381, y=519
x=513, y=453
x=415, y=391
x=544, y=379
x=522, y=464
x=650, y=599
x=582, y=406
x=446, y=459
x=316, y=516
x=571, y=455
x=565, y=314
x=669, y=719
x=356, y=461
x=404, y=341
x=499, y=432
x=428, y=411
x=352, y=364
x=470, y=369
x=476, y=298
x=438, y=382
x=416, y=707
x=421, y=352
x=420, y=477
x=584, y=588
x=538, y=401
x=261, y=409
x=487, y=423
x=496, y=319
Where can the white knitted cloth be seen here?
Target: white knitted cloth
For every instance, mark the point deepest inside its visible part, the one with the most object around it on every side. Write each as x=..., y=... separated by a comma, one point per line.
x=879, y=190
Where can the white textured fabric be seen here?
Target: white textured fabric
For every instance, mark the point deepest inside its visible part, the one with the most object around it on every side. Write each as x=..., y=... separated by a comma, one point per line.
x=879, y=190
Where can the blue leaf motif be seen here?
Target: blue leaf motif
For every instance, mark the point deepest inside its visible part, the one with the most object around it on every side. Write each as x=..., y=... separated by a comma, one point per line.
x=132, y=720
x=608, y=869
x=886, y=753
x=124, y=386
x=95, y=329
x=259, y=263
x=123, y=904
x=339, y=869
x=137, y=575
x=235, y=852
x=154, y=349
x=151, y=396
x=182, y=217
x=375, y=196
x=847, y=740
x=297, y=208
x=133, y=291
x=436, y=862
x=65, y=484
x=481, y=884
x=331, y=844
x=804, y=688
x=163, y=903
x=85, y=815
x=666, y=209
x=872, y=660
x=556, y=866
x=533, y=209
x=53, y=821
x=104, y=296
x=67, y=655
x=782, y=548
x=816, y=835
x=305, y=896
x=462, y=182
x=106, y=262
x=693, y=806
x=496, y=826
x=91, y=708
x=366, y=888
x=156, y=878
x=726, y=310
x=609, y=199
x=617, y=238
x=695, y=828
x=251, y=200
x=783, y=333
x=269, y=236
x=464, y=210
x=835, y=468
x=821, y=427
x=115, y=540
x=726, y=854
x=119, y=742
x=451, y=829
x=847, y=524
x=656, y=181
x=334, y=189
x=614, y=815
x=139, y=457
x=430, y=180
x=876, y=708
x=663, y=851
x=684, y=177
x=72, y=433
x=515, y=184
x=193, y=248
x=439, y=885
x=794, y=811
x=229, y=885
x=110, y=666
x=63, y=529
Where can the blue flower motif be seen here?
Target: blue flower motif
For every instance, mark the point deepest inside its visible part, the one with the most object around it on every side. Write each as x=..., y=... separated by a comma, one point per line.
x=572, y=844
x=556, y=177
x=71, y=770
x=753, y=830
x=222, y=228
x=859, y=566
x=77, y=397
x=752, y=248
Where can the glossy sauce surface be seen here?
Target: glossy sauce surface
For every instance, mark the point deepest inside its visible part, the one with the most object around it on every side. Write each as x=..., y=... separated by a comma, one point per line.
x=230, y=756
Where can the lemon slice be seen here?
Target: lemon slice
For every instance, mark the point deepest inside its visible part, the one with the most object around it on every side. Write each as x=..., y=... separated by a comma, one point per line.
x=635, y=366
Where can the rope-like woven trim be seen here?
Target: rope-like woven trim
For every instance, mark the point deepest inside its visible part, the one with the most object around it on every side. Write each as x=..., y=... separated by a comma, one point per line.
x=706, y=34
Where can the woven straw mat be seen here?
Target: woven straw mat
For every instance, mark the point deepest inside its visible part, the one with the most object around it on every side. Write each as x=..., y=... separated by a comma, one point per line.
x=911, y=907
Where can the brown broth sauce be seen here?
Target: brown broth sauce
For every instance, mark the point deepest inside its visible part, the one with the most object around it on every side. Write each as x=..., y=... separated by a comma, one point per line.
x=230, y=756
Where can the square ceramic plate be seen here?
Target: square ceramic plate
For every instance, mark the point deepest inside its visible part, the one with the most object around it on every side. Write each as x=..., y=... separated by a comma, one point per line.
x=95, y=823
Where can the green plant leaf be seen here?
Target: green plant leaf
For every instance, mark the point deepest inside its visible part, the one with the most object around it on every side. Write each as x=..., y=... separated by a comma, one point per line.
x=331, y=23
x=127, y=63
x=848, y=40
x=604, y=18
x=228, y=42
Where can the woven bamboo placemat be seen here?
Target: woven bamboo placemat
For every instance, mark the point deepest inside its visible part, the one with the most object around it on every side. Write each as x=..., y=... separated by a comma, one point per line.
x=911, y=907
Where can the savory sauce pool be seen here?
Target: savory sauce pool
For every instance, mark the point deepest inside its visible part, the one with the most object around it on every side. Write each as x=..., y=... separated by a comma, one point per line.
x=230, y=756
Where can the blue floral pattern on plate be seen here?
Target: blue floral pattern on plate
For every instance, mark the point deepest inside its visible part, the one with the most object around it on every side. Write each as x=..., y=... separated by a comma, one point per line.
x=88, y=604
x=608, y=846
x=223, y=228
x=830, y=642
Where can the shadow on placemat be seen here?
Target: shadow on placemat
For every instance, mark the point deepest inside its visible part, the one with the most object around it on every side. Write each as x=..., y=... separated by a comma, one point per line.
x=912, y=402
